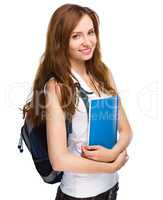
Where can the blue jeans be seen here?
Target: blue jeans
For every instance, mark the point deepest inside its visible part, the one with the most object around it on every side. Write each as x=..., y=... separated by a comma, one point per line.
x=110, y=194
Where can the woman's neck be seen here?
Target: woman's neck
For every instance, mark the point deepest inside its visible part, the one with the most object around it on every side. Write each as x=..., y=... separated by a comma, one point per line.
x=80, y=68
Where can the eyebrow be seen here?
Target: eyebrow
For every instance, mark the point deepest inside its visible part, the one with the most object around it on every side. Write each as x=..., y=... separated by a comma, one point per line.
x=81, y=31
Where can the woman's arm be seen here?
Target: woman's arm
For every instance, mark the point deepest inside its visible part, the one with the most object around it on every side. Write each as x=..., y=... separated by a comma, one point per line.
x=125, y=132
x=124, y=128
x=99, y=153
x=73, y=163
x=61, y=159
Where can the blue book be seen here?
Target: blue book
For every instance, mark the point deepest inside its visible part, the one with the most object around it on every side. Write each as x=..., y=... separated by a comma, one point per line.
x=103, y=121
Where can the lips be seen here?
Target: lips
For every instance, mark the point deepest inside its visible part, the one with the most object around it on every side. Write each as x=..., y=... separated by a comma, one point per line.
x=86, y=51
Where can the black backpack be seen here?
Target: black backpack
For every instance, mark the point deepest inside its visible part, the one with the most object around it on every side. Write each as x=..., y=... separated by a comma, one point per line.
x=36, y=142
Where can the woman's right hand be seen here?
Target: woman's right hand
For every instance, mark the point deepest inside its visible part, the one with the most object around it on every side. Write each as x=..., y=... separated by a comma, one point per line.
x=120, y=161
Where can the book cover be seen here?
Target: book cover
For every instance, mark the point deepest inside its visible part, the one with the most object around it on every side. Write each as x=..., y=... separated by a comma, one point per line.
x=103, y=121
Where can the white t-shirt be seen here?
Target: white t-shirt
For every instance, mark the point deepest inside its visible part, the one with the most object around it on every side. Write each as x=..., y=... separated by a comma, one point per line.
x=83, y=185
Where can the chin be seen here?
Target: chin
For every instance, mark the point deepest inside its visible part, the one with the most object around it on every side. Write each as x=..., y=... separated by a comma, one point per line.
x=87, y=57
x=83, y=58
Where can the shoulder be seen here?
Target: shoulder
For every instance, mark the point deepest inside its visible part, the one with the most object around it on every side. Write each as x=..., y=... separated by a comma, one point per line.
x=52, y=84
x=111, y=80
x=53, y=88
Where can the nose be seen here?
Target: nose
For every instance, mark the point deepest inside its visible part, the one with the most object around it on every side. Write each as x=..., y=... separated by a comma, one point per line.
x=86, y=41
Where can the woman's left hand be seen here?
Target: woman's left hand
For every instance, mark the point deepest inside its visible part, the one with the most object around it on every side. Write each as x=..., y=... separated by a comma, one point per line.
x=98, y=153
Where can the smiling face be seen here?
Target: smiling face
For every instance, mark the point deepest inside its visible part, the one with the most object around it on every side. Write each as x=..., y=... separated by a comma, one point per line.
x=82, y=41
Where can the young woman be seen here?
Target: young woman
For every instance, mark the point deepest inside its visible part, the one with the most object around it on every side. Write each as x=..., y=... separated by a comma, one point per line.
x=72, y=55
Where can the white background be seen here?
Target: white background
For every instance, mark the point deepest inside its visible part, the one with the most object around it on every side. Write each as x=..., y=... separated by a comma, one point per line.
x=132, y=46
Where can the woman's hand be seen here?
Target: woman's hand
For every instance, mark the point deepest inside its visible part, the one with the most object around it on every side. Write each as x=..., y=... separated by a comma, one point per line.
x=99, y=153
x=120, y=161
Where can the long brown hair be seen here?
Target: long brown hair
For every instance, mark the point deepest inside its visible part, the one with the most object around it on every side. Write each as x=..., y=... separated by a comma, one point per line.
x=55, y=62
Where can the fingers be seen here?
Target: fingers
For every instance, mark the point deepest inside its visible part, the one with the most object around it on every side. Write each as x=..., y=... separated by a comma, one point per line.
x=90, y=147
x=86, y=153
x=121, y=160
x=126, y=156
x=124, y=153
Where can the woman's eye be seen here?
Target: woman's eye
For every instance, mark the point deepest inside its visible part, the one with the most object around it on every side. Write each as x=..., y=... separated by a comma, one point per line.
x=91, y=33
x=76, y=36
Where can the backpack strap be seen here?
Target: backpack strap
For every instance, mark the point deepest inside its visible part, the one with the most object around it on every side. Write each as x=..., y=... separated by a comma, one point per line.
x=84, y=95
